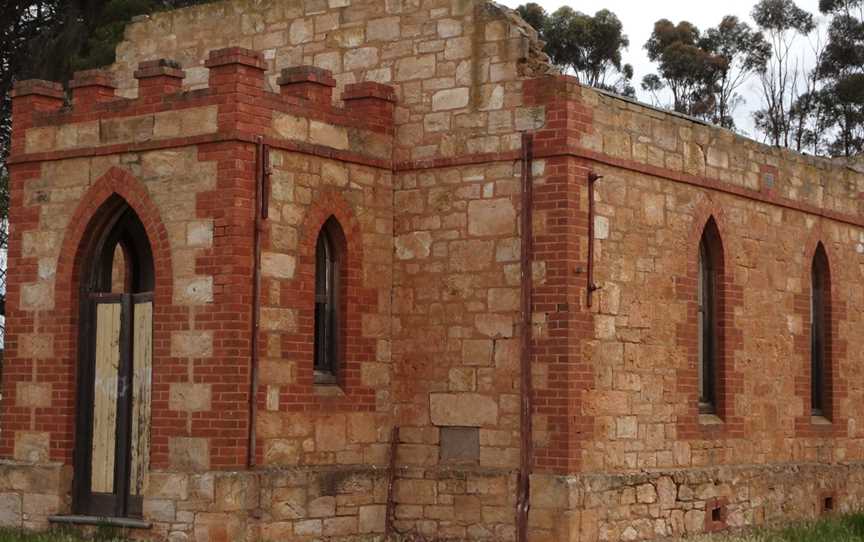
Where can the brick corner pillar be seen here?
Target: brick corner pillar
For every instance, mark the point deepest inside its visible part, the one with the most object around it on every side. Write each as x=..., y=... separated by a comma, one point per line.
x=235, y=69
x=239, y=73
x=90, y=87
x=309, y=83
x=31, y=97
x=371, y=99
x=561, y=426
x=157, y=78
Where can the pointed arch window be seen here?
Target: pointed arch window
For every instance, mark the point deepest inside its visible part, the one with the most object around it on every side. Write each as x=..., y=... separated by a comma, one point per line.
x=710, y=310
x=115, y=361
x=820, y=319
x=329, y=257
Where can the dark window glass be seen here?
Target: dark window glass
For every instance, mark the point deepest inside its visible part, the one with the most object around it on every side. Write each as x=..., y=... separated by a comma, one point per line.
x=707, y=332
x=326, y=304
x=819, y=325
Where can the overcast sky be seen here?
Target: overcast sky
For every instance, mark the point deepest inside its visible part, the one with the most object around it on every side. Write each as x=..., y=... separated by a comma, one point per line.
x=638, y=18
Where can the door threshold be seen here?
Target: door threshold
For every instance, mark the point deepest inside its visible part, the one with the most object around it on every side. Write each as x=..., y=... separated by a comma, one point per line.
x=127, y=523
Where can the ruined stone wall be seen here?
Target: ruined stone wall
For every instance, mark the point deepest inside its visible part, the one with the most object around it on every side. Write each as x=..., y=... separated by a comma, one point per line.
x=423, y=175
x=454, y=63
x=456, y=68
x=662, y=180
x=633, y=363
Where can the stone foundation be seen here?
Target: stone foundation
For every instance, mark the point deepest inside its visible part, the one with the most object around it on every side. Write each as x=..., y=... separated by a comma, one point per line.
x=349, y=503
x=408, y=123
x=678, y=503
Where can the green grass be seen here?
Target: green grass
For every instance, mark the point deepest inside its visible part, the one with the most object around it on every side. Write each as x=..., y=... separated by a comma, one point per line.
x=837, y=529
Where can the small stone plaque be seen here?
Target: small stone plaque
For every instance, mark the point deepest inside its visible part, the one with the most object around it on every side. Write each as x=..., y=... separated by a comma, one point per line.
x=460, y=444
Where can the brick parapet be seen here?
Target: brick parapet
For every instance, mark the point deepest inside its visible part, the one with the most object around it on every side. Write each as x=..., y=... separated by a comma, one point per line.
x=90, y=87
x=245, y=108
x=426, y=190
x=158, y=78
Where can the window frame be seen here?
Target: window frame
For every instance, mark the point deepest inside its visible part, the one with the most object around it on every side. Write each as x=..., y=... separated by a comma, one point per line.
x=707, y=339
x=329, y=261
x=820, y=326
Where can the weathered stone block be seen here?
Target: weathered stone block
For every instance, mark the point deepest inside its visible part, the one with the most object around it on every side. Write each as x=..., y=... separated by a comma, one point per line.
x=415, y=67
x=190, y=397
x=371, y=519
x=321, y=133
x=460, y=445
x=32, y=395
x=276, y=265
x=282, y=452
x=416, y=491
x=452, y=98
x=462, y=409
x=416, y=245
x=276, y=319
x=36, y=345
x=193, y=291
x=290, y=503
x=290, y=126
x=10, y=510
x=32, y=446
x=189, y=454
x=192, y=344
x=473, y=255
x=330, y=433
x=491, y=217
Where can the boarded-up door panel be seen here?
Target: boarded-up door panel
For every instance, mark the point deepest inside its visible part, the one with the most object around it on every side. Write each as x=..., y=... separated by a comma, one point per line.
x=142, y=357
x=105, y=387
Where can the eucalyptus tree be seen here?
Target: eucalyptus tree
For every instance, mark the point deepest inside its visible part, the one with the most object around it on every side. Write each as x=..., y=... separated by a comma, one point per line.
x=783, y=23
x=589, y=46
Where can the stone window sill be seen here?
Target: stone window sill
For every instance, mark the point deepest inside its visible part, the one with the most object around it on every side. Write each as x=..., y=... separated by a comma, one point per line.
x=710, y=419
x=817, y=419
x=126, y=523
x=328, y=390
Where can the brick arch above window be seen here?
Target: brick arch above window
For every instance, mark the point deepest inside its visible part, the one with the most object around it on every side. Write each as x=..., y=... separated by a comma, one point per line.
x=835, y=388
x=116, y=182
x=356, y=302
x=723, y=422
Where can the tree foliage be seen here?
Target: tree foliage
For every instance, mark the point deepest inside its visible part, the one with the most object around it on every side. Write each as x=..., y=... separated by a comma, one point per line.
x=685, y=67
x=589, y=46
x=841, y=69
x=783, y=22
x=743, y=52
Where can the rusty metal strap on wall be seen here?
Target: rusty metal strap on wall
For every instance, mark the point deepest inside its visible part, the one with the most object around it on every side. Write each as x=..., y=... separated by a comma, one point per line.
x=262, y=198
x=523, y=498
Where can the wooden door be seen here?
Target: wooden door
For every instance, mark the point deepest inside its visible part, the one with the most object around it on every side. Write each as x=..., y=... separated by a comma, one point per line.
x=114, y=406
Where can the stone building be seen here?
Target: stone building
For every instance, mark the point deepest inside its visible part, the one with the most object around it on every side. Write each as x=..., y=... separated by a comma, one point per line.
x=342, y=268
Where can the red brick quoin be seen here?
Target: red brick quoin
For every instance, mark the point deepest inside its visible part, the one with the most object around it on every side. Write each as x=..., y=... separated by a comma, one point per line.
x=354, y=300
x=61, y=370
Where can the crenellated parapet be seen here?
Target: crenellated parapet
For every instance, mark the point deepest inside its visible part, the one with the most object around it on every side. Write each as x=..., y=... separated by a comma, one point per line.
x=237, y=104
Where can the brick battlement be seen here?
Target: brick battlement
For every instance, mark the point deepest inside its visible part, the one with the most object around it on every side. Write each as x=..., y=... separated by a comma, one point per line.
x=396, y=171
x=243, y=106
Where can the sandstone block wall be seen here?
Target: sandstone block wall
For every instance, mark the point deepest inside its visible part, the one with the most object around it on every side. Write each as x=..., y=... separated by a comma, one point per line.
x=454, y=64
x=404, y=120
x=634, y=359
x=185, y=162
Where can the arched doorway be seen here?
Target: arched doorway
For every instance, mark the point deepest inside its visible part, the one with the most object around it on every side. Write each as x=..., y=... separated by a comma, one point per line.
x=114, y=364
